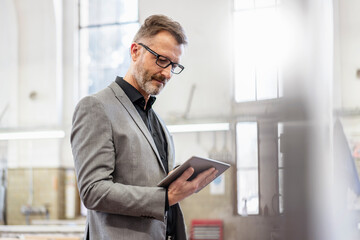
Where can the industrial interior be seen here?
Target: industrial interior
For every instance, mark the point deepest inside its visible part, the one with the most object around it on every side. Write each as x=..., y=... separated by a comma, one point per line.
x=270, y=87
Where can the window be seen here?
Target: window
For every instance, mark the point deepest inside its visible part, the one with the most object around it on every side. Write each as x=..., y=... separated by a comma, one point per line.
x=247, y=168
x=106, y=32
x=256, y=45
x=257, y=39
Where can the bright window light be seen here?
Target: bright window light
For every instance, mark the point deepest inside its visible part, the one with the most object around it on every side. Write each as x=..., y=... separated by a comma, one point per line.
x=247, y=168
x=257, y=50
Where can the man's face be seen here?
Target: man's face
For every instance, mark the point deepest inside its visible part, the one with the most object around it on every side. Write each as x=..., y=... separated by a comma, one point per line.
x=150, y=77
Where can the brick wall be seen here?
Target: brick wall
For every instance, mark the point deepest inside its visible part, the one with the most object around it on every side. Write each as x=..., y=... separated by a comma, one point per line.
x=48, y=190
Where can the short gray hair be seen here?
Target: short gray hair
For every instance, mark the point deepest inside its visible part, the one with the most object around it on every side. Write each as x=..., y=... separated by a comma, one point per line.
x=156, y=23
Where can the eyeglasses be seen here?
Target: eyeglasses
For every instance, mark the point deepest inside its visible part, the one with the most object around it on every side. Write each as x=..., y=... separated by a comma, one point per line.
x=164, y=62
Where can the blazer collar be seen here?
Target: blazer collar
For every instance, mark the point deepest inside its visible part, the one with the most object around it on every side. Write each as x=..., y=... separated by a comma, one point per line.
x=128, y=105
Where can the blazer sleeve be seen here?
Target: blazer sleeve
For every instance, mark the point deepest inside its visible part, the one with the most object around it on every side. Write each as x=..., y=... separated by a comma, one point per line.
x=94, y=157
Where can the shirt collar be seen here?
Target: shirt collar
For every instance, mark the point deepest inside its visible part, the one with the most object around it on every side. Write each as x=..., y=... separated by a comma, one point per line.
x=133, y=94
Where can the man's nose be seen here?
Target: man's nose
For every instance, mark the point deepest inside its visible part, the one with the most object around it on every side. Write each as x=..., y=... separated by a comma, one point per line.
x=167, y=72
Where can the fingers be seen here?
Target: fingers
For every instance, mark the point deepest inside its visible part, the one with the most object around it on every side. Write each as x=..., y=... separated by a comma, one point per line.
x=202, y=178
x=182, y=188
x=205, y=174
x=208, y=179
x=187, y=174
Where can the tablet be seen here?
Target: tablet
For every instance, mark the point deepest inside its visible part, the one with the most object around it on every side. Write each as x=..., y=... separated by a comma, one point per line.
x=199, y=164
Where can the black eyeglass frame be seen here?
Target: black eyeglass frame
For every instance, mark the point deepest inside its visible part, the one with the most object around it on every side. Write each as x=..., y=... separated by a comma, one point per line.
x=173, y=65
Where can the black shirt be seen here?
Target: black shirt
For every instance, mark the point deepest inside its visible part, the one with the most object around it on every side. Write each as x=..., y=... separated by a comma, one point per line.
x=153, y=124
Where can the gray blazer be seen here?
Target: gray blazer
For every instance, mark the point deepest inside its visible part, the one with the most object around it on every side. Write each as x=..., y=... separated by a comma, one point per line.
x=118, y=167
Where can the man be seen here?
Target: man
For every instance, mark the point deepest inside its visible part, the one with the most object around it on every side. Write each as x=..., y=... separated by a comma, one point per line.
x=122, y=149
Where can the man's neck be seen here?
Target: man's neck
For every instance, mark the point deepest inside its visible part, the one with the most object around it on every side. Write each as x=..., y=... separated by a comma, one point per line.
x=131, y=80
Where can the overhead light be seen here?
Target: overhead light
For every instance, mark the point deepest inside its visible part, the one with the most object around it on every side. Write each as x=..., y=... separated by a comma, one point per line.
x=206, y=127
x=41, y=134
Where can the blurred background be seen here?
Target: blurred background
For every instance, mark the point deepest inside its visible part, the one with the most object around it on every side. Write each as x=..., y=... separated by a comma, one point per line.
x=269, y=86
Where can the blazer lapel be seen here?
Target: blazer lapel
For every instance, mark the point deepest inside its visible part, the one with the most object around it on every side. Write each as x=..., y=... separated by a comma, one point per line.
x=170, y=150
x=128, y=105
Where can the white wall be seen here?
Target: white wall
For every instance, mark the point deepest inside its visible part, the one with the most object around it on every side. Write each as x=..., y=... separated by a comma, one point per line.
x=30, y=62
x=37, y=64
x=8, y=63
x=349, y=33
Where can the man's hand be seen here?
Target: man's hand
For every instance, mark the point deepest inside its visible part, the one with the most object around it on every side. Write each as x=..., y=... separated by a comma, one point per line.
x=181, y=188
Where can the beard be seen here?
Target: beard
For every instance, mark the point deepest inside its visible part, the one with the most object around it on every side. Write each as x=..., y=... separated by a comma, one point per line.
x=152, y=84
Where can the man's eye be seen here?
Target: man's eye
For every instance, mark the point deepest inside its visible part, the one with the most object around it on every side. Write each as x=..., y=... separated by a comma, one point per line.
x=163, y=60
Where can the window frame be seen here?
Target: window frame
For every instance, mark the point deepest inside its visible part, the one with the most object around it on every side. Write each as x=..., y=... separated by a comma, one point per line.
x=237, y=168
x=83, y=86
x=267, y=113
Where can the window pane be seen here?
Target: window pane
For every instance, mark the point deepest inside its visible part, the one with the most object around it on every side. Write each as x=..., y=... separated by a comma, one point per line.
x=266, y=82
x=257, y=54
x=104, y=54
x=248, y=192
x=244, y=66
x=129, y=11
x=267, y=52
x=247, y=168
x=247, y=144
x=95, y=12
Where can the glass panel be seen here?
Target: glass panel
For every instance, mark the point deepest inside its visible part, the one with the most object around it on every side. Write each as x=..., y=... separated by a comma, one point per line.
x=129, y=11
x=104, y=54
x=267, y=52
x=244, y=67
x=243, y=4
x=247, y=168
x=248, y=192
x=257, y=54
x=266, y=82
x=95, y=12
x=247, y=144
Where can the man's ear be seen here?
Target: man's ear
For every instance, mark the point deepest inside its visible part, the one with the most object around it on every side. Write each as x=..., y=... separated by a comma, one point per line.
x=134, y=51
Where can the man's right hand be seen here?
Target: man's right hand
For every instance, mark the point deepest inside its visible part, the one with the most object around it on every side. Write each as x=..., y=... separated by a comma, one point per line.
x=181, y=188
